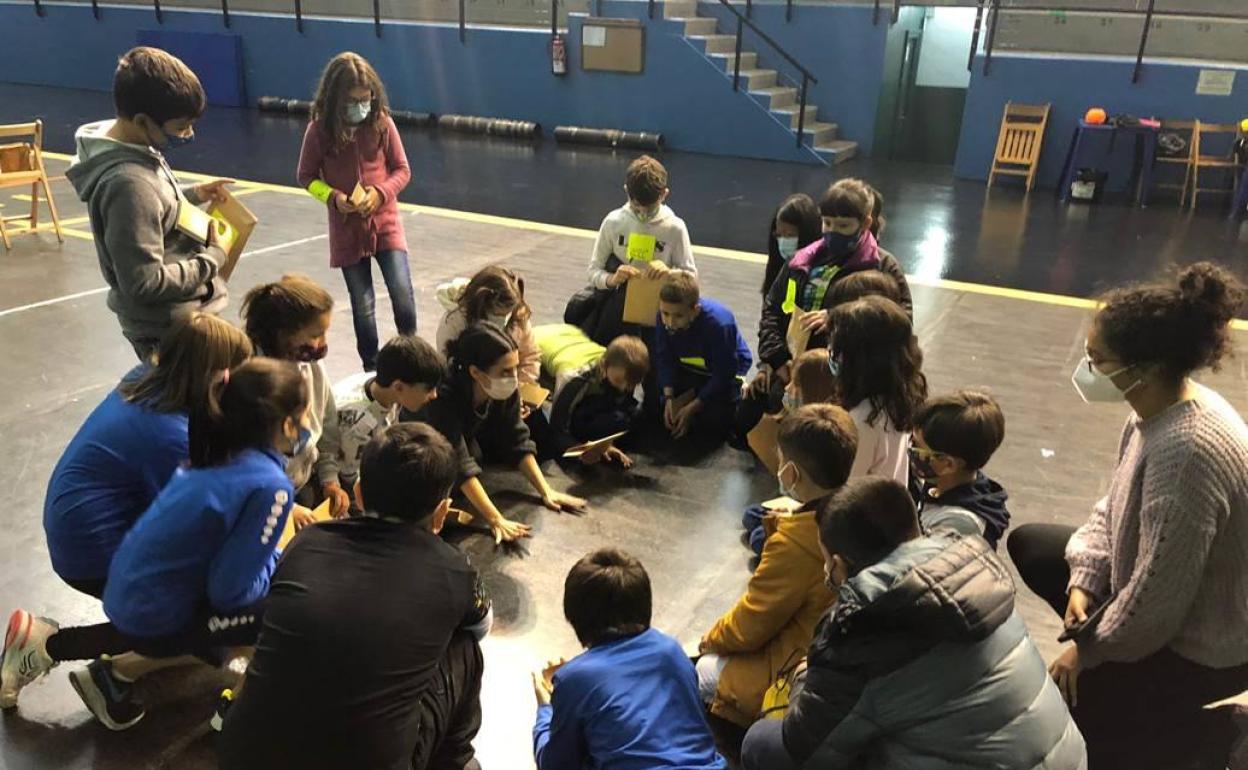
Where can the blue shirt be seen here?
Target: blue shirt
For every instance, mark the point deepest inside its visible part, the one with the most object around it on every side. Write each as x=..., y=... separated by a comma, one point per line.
x=631, y=704
x=208, y=541
x=711, y=345
x=112, y=470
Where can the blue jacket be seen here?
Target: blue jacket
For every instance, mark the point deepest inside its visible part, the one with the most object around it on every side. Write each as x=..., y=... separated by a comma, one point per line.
x=112, y=470
x=207, y=542
x=712, y=344
x=631, y=704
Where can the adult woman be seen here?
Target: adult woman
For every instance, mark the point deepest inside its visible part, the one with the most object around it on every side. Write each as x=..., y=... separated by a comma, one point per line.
x=1161, y=567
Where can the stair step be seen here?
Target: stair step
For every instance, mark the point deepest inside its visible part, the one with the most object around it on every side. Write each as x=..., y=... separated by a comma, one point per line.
x=790, y=112
x=680, y=9
x=758, y=79
x=819, y=133
x=837, y=151
x=716, y=43
x=749, y=60
x=698, y=26
x=777, y=96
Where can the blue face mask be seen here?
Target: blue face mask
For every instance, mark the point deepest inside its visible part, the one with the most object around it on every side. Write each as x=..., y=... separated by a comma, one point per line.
x=840, y=245
x=787, y=247
x=173, y=141
x=834, y=366
x=790, y=402
x=357, y=112
x=301, y=443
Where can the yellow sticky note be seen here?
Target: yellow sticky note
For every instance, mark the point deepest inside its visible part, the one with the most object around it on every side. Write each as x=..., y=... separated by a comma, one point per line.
x=790, y=297
x=641, y=247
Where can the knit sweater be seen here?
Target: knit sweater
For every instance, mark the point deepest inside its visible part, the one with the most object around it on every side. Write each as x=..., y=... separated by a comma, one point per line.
x=1169, y=542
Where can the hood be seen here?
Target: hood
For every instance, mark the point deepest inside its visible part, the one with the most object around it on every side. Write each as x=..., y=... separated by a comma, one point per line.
x=865, y=257
x=944, y=588
x=665, y=215
x=97, y=154
x=448, y=293
x=802, y=530
x=983, y=497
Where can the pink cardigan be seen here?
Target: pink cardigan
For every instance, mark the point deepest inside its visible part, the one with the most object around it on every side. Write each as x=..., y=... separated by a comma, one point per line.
x=371, y=163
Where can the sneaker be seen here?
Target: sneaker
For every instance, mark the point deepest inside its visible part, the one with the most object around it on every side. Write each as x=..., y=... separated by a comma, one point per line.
x=223, y=706
x=25, y=654
x=108, y=698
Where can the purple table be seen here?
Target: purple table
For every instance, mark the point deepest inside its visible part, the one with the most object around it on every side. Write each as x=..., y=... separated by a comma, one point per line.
x=1141, y=170
x=1241, y=197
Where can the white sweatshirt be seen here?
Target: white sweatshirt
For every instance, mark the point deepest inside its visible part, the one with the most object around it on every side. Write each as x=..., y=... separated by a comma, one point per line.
x=621, y=228
x=882, y=449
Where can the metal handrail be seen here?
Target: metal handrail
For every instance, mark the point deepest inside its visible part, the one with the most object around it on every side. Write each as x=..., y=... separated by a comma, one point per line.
x=1139, y=56
x=766, y=39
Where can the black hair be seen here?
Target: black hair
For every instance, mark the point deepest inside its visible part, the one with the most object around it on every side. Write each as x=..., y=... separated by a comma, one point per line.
x=411, y=361
x=880, y=360
x=606, y=596
x=407, y=471
x=274, y=312
x=480, y=345
x=152, y=82
x=800, y=211
x=866, y=519
x=244, y=408
x=967, y=425
x=822, y=440
x=1181, y=325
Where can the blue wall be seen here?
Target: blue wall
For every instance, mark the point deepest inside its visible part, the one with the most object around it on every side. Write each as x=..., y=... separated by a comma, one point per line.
x=1072, y=86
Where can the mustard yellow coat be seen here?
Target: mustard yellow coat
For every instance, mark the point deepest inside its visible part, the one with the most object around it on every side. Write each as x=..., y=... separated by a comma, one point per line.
x=771, y=626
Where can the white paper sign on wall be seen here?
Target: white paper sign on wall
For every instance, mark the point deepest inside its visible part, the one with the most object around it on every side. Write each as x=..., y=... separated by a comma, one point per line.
x=1216, y=83
x=593, y=37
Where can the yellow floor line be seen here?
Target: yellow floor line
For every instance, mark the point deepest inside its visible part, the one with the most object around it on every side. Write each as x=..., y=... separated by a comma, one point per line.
x=711, y=251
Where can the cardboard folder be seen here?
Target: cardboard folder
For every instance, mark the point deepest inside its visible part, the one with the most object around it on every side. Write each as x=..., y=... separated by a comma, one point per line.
x=533, y=395
x=358, y=195
x=193, y=221
x=762, y=441
x=798, y=336
x=320, y=513
x=590, y=446
x=641, y=300
x=235, y=224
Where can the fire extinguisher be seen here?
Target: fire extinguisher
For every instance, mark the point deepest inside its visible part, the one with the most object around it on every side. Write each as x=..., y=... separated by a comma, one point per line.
x=558, y=55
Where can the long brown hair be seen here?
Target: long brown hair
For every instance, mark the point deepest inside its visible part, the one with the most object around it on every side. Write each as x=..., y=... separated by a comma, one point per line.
x=245, y=409
x=274, y=312
x=194, y=349
x=490, y=287
x=880, y=360
x=346, y=71
x=813, y=378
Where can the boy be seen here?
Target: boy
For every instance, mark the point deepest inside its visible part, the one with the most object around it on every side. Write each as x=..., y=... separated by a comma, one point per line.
x=700, y=356
x=954, y=437
x=369, y=655
x=923, y=662
x=630, y=701
x=152, y=270
x=771, y=626
x=408, y=373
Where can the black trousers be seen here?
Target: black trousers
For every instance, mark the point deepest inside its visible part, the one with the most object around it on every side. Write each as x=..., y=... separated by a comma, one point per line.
x=205, y=637
x=451, y=711
x=1140, y=715
x=752, y=407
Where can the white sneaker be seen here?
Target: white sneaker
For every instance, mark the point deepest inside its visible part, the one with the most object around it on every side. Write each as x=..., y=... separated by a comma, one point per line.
x=25, y=654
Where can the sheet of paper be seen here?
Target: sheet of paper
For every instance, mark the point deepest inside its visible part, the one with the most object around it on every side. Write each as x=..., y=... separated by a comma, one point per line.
x=797, y=336
x=533, y=394
x=589, y=446
x=641, y=300
x=593, y=37
x=762, y=441
x=320, y=513
x=782, y=504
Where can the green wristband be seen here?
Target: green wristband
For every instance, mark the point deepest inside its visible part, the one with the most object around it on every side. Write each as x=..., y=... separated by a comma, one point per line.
x=320, y=190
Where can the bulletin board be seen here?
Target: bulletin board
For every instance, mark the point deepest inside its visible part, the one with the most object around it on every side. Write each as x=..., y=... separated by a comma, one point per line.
x=613, y=45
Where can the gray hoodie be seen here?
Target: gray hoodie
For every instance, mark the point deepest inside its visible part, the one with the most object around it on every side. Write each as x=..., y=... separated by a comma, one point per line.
x=153, y=271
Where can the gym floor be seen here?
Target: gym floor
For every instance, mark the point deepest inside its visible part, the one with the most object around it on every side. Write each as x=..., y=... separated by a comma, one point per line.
x=679, y=509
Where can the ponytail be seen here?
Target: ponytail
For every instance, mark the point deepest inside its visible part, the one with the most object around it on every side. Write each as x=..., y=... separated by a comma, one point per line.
x=244, y=408
x=480, y=345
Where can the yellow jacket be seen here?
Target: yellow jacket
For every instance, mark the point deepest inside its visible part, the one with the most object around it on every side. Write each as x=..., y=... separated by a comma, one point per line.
x=770, y=628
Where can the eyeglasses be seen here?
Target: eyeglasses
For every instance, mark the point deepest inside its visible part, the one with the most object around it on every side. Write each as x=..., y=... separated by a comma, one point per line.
x=923, y=453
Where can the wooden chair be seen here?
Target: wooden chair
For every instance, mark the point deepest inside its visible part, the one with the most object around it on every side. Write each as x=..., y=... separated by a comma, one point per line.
x=1200, y=158
x=21, y=164
x=1018, y=144
x=1185, y=129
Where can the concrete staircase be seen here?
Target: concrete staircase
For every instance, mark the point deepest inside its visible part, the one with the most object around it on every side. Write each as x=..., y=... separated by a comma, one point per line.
x=763, y=86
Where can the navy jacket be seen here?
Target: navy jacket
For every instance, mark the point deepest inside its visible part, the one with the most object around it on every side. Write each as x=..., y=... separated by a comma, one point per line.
x=711, y=345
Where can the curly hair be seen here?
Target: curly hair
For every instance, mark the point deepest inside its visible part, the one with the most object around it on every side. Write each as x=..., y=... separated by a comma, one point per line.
x=880, y=360
x=494, y=287
x=1180, y=325
x=344, y=72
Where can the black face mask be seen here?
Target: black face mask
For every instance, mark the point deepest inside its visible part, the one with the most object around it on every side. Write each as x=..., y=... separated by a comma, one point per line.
x=310, y=353
x=921, y=466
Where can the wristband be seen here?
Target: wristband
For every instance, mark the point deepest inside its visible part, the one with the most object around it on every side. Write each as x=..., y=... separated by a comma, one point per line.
x=320, y=190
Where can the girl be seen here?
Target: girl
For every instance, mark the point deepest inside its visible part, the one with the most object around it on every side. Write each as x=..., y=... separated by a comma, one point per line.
x=191, y=575
x=878, y=366
x=125, y=452
x=494, y=294
x=289, y=319
x=1163, y=560
x=352, y=140
x=794, y=226
x=478, y=410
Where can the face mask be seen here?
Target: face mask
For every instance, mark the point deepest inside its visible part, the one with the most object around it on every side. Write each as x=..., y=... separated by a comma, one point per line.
x=301, y=442
x=840, y=245
x=645, y=215
x=358, y=111
x=787, y=247
x=500, y=320
x=834, y=366
x=501, y=388
x=1095, y=387
x=790, y=402
x=310, y=353
x=785, y=490
x=921, y=465
x=173, y=141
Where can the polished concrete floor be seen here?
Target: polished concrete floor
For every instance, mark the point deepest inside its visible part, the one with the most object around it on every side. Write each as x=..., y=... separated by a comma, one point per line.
x=678, y=509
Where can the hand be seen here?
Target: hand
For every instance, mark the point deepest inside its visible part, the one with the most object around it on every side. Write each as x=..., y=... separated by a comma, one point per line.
x=1077, y=607
x=684, y=418
x=552, y=667
x=506, y=530
x=761, y=384
x=525, y=411
x=815, y=320
x=541, y=690
x=343, y=203
x=622, y=275
x=372, y=202
x=212, y=192
x=1065, y=671
x=339, y=500
x=302, y=516
x=614, y=455
x=669, y=412
x=558, y=501
x=656, y=269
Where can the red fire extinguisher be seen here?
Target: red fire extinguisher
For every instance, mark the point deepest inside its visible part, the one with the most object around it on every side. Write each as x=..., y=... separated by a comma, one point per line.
x=558, y=55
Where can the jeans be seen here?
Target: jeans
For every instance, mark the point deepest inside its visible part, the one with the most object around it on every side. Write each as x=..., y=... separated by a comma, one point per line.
x=398, y=277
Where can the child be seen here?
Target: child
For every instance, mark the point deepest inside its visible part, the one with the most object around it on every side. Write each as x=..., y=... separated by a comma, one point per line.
x=923, y=662
x=130, y=446
x=478, y=410
x=289, y=319
x=848, y=246
x=351, y=139
x=631, y=699
x=700, y=357
x=794, y=226
x=153, y=271
x=879, y=378
x=954, y=437
x=643, y=237
x=596, y=400
x=384, y=592
x=408, y=373
x=190, y=577
x=772, y=624
x=494, y=294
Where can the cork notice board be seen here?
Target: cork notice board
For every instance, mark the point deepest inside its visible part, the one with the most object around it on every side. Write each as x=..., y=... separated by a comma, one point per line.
x=613, y=45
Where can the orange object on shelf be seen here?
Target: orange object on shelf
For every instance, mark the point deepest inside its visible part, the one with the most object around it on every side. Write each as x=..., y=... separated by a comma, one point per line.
x=1095, y=116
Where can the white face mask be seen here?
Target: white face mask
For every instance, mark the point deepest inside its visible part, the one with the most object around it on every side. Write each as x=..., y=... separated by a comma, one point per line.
x=358, y=111
x=787, y=247
x=785, y=489
x=501, y=388
x=1095, y=387
x=500, y=321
